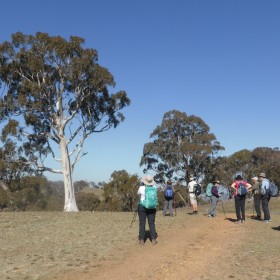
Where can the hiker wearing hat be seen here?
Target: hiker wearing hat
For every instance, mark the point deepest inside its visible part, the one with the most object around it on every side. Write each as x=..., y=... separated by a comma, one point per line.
x=214, y=198
x=192, y=195
x=257, y=197
x=265, y=196
x=148, y=202
x=169, y=192
x=240, y=188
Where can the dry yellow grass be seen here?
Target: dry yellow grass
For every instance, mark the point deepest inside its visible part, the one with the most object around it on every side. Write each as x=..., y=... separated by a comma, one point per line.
x=49, y=245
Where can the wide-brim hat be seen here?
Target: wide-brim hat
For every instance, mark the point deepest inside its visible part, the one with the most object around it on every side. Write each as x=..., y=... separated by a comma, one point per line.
x=254, y=178
x=262, y=175
x=192, y=178
x=148, y=180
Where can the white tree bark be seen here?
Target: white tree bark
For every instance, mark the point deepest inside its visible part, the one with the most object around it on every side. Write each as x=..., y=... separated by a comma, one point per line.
x=70, y=200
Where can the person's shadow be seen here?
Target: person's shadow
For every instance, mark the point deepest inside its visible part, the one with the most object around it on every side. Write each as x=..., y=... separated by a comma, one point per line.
x=148, y=236
x=276, y=228
x=231, y=220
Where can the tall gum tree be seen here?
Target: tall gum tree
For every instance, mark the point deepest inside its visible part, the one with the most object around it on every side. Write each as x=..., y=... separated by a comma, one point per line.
x=179, y=147
x=58, y=95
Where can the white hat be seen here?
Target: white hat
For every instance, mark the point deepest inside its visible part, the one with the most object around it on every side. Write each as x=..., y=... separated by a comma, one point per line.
x=148, y=180
x=192, y=178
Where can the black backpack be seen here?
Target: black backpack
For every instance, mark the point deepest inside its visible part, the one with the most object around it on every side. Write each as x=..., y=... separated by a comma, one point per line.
x=197, y=189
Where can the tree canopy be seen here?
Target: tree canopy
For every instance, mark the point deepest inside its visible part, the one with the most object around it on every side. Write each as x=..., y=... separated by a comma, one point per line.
x=180, y=145
x=54, y=94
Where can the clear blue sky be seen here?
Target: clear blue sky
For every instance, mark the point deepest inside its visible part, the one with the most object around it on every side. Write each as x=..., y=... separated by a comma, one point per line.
x=219, y=60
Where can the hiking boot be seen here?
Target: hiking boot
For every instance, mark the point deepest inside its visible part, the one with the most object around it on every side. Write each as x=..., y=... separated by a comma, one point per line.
x=141, y=242
x=154, y=241
x=194, y=212
x=267, y=221
x=242, y=221
x=210, y=216
x=237, y=222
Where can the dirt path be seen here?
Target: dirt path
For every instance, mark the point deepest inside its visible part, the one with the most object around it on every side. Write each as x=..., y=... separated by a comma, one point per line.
x=196, y=247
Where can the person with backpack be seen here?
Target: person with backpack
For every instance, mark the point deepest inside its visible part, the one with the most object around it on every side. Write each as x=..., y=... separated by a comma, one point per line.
x=257, y=197
x=265, y=196
x=214, y=198
x=148, y=202
x=192, y=196
x=169, y=192
x=240, y=188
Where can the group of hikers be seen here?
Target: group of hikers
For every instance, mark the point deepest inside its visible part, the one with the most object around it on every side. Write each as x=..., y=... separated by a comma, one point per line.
x=148, y=201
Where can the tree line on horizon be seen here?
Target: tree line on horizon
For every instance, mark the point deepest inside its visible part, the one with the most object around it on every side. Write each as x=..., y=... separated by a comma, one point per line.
x=36, y=193
x=55, y=95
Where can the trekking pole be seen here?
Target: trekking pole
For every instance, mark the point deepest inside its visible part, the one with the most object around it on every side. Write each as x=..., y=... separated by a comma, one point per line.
x=182, y=198
x=134, y=216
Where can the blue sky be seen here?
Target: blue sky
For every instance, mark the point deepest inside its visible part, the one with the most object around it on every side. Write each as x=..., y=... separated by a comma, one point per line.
x=215, y=59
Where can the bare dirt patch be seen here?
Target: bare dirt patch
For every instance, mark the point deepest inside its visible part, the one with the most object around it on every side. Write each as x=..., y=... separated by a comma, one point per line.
x=85, y=245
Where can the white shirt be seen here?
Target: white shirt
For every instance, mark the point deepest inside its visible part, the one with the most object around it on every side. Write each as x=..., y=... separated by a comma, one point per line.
x=191, y=185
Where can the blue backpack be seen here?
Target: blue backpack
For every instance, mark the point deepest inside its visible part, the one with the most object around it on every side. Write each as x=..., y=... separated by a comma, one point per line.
x=272, y=190
x=241, y=189
x=168, y=192
x=151, y=200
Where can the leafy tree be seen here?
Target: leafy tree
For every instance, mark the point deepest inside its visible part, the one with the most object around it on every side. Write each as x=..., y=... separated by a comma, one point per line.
x=121, y=192
x=55, y=95
x=179, y=147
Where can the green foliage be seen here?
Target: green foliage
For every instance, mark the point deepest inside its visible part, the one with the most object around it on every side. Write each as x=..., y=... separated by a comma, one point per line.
x=120, y=194
x=87, y=201
x=55, y=93
x=179, y=147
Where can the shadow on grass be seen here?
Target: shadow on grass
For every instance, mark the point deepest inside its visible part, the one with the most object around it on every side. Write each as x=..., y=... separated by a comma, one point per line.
x=276, y=228
x=231, y=220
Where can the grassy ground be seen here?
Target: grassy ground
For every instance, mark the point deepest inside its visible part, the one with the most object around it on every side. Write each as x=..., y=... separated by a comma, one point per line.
x=39, y=245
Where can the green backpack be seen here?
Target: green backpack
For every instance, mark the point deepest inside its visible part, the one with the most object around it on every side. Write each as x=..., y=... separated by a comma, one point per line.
x=209, y=189
x=151, y=200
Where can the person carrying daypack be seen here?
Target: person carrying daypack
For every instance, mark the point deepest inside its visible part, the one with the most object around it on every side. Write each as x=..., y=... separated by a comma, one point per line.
x=169, y=192
x=257, y=197
x=148, y=202
x=192, y=196
x=265, y=196
x=214, y=198
x=240, y=188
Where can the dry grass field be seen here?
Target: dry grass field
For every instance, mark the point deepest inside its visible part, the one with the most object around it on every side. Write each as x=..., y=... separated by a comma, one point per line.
x=100, y=245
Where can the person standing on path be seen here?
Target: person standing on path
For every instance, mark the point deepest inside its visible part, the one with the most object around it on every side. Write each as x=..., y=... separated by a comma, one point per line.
x=265, y=196
x=192, y=195
x=147, y=208
x=214, y=198
x=240, y=199
x=257, y=197
x=169, y=192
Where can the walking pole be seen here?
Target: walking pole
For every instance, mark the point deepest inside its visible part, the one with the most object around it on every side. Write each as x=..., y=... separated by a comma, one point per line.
x=134, y=216
x=182, y=198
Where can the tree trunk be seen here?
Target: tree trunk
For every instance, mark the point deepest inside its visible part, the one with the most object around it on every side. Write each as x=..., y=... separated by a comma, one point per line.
x=70, y=200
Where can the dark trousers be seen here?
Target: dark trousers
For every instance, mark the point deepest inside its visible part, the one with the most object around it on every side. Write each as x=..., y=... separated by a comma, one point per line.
x=240, y=207
x=257, y=203
x=150, y=215
x=265, y=200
